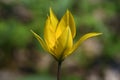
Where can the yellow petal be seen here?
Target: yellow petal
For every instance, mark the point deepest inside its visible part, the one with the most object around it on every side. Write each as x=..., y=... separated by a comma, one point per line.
x=49, y=34
x=66, y=38
x=43, y=44
x=61, y=27
x=40, y=41
x=72, y=24
x=65, y=42
x=67, y=20
x=53, y=19
x=81, y=40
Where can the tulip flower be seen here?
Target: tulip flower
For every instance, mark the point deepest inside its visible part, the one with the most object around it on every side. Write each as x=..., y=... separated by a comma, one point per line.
x=59, y=36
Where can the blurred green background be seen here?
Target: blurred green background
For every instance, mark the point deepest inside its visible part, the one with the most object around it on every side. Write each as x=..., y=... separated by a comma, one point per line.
x=22, y=57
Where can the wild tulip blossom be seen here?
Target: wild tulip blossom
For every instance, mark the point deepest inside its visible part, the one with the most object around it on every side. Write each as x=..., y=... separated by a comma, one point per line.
x=59, y=35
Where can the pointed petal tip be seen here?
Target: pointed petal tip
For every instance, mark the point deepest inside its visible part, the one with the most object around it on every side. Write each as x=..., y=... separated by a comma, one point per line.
x=51, y=11
x=32, y=31
x=99, y=33
x=96, y=34
x=67, y=11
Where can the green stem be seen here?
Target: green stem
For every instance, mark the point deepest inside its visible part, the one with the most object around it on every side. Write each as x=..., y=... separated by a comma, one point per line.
x=58, y=70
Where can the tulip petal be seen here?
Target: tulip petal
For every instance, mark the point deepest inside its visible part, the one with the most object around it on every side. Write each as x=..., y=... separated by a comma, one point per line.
x=40, y=41
x=81, y=40
x=67, y=20
x=53, y=19
x=43, y=44
x=66, y=38
x=49, y=34
x=61, y=27
x=65, y=42
x=72, y=24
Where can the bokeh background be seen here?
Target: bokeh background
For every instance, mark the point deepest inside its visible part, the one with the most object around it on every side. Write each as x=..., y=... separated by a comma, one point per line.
x=22, y=57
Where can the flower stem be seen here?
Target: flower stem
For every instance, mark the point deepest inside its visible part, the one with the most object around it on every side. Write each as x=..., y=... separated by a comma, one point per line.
x=58, y=70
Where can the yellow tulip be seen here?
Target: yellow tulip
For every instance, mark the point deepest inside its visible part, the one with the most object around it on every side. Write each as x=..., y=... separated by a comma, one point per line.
x=59, y=35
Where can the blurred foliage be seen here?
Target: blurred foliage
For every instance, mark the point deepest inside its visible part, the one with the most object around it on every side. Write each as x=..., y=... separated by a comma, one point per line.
x=18, y=17
x=45, y=77
x=35, y=77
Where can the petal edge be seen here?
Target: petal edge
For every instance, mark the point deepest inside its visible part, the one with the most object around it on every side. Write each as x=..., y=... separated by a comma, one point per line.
x=40, y=41
x=81, y=40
